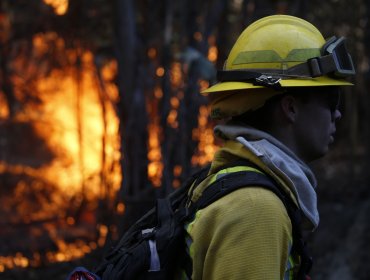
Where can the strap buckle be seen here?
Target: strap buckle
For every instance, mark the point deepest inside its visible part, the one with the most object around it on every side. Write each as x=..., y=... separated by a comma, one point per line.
x=268, y=81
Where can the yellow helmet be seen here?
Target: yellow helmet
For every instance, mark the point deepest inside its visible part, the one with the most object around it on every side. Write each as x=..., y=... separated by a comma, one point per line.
x=274, y=53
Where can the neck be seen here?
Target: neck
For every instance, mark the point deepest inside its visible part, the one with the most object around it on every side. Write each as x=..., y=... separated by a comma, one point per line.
x=286, y=136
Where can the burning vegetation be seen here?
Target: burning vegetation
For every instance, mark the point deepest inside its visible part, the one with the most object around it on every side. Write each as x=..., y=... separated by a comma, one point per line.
x=60, y=159
x=61, y=142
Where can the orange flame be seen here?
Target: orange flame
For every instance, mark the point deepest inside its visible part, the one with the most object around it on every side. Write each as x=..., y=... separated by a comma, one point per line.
x=66, y=252
x=61, y=109
x=4, y=110
x=60, y=6
x=74, y=132
x=155, y=166
x=213, y=50
x=204, y=135
x=71, y=120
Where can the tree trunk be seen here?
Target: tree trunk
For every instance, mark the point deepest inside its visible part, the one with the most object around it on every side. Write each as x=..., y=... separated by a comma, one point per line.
x=133, y=118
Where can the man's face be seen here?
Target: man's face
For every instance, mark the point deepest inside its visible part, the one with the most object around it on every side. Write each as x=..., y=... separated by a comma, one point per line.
x=316, y=123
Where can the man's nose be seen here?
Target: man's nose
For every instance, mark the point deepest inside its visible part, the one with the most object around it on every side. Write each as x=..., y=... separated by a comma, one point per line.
x=337, y=115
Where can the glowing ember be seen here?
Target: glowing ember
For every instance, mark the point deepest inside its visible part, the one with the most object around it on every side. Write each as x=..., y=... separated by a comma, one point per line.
x=120, y=208
x=177, y=170
x=160, y=71
x=176, y=75
x=155, y=166
x=204, y=135
x=4, y=110
x=212, y=51
x=152, y=53
x=60, y=6
x=158, y=93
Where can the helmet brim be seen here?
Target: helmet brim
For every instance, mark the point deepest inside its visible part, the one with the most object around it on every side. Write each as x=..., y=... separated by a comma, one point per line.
x=310, y=82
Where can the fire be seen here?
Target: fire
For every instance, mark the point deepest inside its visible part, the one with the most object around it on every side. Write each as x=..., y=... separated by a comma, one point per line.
x=155, y=166
x=76, y=118
x=60, y=6
x=4, y=111
x=177, y=170
x=213, y=50
x=204, y=135
x=66, y=252
x=160, y=71
x=152, y=53
x=176, y=75
x=83, y=168
x=10, y=262
x=121, y=208
x=62, y=111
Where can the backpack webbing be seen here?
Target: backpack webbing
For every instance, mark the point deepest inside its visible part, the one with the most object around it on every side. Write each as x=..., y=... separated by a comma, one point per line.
x=164, y=227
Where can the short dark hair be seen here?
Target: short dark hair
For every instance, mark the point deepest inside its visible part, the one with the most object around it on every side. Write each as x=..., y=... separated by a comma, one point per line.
x=260, y=118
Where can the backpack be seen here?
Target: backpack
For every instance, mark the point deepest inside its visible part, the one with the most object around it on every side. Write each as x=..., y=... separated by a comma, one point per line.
x=154, y=247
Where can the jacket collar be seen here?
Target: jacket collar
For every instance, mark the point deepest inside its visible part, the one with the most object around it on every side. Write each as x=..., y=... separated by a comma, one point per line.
x=275, y=159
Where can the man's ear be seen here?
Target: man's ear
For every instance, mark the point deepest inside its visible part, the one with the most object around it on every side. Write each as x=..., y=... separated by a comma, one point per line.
x=289, y=107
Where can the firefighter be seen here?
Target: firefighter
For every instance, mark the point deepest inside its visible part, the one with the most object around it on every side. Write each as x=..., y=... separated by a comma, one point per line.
x=278, y=97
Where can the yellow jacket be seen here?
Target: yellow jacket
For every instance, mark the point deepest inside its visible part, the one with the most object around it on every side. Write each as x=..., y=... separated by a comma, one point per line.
x=246, y=234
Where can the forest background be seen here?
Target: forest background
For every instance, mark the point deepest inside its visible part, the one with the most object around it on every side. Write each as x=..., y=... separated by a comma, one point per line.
x=100, y=114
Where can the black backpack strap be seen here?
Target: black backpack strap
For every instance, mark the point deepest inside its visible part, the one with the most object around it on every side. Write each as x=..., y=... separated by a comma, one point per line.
x=233, y=181
x=299, y=245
